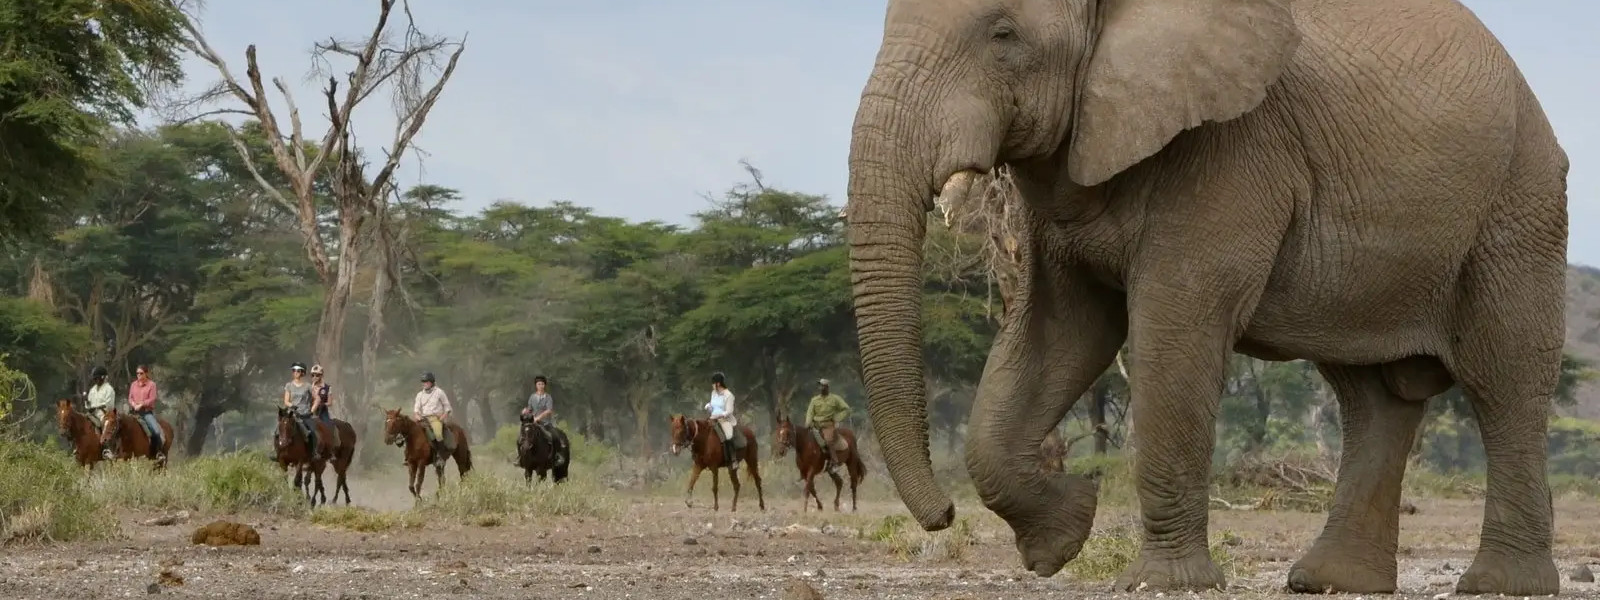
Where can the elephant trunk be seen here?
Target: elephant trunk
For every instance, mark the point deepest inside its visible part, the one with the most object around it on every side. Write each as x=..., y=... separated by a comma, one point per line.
x=890, y=192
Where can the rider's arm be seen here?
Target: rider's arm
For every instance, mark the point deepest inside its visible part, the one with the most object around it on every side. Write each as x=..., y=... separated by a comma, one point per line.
x=841, y=410
x=444, y=401
x=545, y=414
x=811, y=412
x=416, y=405
x=316, y=399
x=286, y=402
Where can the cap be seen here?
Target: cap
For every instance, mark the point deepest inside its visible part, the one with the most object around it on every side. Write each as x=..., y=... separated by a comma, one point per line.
x=316, y=369
x=822, y=382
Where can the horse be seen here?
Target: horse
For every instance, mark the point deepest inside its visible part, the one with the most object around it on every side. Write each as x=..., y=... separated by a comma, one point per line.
x=705, y=445
x=124, y=435
x=536, y=452
x=810, y=458
x=291, y=445
x=79, y=432
x=343, y=456
x=407, y=433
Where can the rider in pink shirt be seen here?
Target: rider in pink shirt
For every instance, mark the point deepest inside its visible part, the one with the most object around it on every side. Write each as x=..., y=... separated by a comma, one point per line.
x=142, y=400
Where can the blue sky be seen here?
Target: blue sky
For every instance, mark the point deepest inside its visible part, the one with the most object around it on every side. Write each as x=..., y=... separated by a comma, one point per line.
x=638, y=109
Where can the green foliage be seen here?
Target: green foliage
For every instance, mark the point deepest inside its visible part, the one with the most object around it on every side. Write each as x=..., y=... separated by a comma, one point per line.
x=46, y=500
x=69, y=69
x=220, y=483
x=487, y=499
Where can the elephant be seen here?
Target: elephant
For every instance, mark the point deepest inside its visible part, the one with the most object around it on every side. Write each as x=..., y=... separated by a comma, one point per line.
x=1367, y=185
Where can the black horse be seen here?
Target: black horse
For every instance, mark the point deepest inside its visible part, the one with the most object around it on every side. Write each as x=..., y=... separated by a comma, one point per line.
x=536, y=452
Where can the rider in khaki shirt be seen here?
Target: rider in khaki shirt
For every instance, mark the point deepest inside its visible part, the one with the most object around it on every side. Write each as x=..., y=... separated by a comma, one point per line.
x=432, y=407
x=826, y=411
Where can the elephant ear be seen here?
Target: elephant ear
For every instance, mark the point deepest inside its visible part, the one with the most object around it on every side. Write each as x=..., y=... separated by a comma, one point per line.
x=1162, y=66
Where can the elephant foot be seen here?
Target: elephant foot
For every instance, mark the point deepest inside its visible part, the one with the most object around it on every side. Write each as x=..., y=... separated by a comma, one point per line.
x=1511, y=575
x=1193, y=573
x=1327, y=569
x=1055, y=535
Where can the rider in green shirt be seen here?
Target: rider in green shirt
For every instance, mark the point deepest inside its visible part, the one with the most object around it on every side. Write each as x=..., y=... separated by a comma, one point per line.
x=826, y=411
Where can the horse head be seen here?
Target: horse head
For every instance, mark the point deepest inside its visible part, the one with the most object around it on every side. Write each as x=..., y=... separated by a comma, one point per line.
x=682, y=433
x=285, y=434
x=785, y=436
x=64, y=416
x=393, y=427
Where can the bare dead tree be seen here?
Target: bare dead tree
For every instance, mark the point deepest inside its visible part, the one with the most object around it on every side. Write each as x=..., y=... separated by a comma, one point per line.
x=402, y=62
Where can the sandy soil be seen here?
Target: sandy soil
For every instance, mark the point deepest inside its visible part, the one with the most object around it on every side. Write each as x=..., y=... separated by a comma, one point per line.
x=660, y=550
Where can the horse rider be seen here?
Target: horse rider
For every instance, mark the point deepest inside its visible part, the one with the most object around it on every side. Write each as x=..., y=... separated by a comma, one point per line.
x=320, y=400
x=542, y=411
x=432, y=407
x=721, y=409
x=142, y=395
x=297, y=397
x=826, y=411
x=101, y=398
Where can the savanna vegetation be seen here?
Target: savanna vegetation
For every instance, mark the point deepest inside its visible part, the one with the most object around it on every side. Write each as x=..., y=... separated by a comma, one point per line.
x=219, y=249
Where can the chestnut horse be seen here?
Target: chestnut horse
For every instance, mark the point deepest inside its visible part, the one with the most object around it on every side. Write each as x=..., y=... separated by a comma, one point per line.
x=80, y=433
x=292, y=449
x=705, y=445
x=124, y=435
x=810, y=459
x=405, y=432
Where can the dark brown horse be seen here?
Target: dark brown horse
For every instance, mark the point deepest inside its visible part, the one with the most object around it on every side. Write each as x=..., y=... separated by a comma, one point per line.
x=80, y=433
x=343, y=456
x=407, y=433
x=705, y=445
x=811, y=460
x=293, y=450
x=126, y=438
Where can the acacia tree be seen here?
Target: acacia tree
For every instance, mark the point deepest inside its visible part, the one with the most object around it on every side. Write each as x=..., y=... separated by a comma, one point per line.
x=379, y=61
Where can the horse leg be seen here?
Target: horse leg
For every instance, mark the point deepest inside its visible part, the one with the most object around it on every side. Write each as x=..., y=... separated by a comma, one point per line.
x=688, y=494
x=838, y=488
x=733, y=477
x=716, y=499
x=855, y=480
x=755, y=476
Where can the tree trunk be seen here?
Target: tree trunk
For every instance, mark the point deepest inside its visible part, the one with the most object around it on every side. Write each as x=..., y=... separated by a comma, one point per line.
x=1258, y=424
x=204, y=415
x=1097, y=417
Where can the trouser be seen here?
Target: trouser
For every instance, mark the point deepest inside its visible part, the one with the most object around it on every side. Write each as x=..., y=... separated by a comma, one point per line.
x=153, y=428
x=97, y=415
x=435, y=429
x=730, y=444
x=833, y=446
x=309, y=428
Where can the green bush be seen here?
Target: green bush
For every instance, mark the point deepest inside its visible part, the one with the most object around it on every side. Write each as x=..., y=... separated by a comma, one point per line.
x=485, y=498
x=43, y=497
x=244, y=481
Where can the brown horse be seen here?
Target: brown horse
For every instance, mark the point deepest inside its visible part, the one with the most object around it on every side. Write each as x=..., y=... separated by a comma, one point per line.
x=126, y=438
x=292, y=449
x=810, y=459
x=343, y=456
x=705, y=445
x=407, y=433
x=80, y=433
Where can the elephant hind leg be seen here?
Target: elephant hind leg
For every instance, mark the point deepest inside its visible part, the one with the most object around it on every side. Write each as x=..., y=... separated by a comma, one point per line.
x=1356, y=551
x=1508, y=360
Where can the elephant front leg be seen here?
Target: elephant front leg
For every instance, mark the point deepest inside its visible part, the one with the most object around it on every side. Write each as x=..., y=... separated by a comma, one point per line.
x=1179, y=358
x=1060, y=334
x=1356, y=551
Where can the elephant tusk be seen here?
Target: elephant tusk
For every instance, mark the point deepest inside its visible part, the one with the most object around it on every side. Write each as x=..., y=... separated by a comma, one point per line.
x=955, y=192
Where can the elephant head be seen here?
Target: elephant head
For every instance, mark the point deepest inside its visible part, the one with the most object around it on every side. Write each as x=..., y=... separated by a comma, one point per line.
x=1076, y=91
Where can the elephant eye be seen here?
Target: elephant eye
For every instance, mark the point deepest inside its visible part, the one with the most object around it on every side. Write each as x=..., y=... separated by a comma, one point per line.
x=1003, y=33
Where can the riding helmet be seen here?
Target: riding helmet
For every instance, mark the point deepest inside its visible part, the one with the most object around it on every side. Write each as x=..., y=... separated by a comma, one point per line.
x=316, y=369
x=539, y=378
x=719, y=379
x=297, y=366
x=98, y=372
x=427, y=376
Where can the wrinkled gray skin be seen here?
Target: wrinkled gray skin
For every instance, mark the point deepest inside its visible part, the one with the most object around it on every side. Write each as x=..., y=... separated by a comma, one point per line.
x=1366, y=184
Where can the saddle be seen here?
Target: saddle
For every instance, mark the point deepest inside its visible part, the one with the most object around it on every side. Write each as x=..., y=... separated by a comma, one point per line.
x=838, y=439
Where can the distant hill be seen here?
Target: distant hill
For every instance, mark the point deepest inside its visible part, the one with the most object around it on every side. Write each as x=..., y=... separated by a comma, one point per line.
x=1583, y=332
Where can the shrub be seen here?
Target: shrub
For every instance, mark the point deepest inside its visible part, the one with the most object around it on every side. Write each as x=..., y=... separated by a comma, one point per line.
x=43, y=497
x=364, y=520
x=233, y=482
x=488, y=499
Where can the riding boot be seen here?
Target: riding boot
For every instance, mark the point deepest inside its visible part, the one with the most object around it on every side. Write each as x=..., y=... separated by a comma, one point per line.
x=561, y=458
x=438, y=453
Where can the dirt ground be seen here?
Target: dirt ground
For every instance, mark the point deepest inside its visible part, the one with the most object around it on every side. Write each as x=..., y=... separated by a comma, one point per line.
x=660, y=550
